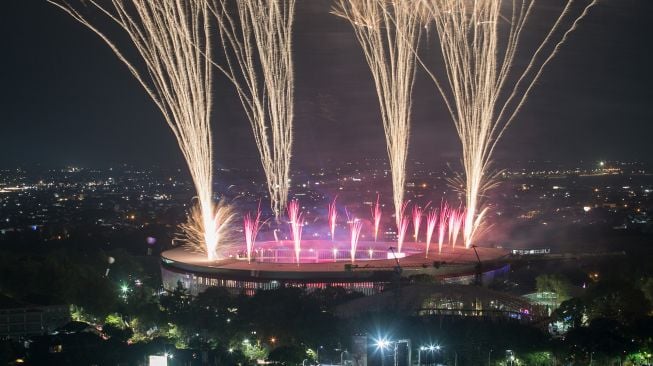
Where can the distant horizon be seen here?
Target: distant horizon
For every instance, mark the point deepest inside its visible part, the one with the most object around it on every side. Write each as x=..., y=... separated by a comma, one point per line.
x=499, y=164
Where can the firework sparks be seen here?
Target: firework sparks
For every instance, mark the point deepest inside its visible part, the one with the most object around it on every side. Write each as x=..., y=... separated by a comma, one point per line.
x=388, y=43
x=258, y=49
x=333, y=216
x=355, y=226
x=251, y=225
x=485, y=89
x=417, y=219
x=296, y=222
x=194, y=232
x=402, y=226
x=442, y=224
x=431, y=222
x=178, y=79
x=376, y=217
x=456, y=219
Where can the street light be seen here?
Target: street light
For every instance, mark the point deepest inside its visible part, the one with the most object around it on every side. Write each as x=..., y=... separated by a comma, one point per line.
x=317, y=354
x=419, y=354
x=383, y=344
x=431, y=348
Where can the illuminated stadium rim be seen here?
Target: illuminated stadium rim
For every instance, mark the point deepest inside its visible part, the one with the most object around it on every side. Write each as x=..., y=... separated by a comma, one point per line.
x=460, y=261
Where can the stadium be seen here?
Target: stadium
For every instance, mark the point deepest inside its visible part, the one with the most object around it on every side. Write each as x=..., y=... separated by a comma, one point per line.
x=323, y=263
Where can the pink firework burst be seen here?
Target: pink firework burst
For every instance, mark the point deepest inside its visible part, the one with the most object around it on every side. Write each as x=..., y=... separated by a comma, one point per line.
x=402, y=226
x=431, y=221
x=251, y=225
x=456, y=221
x=333, y=216
x=376, y=217
x=442, y=224
x=296, y=222
x=355, y=226
x=417, y=220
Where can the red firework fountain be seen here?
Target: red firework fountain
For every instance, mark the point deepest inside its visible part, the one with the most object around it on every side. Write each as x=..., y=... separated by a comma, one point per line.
x=417, y=220
x=431, y=221
x=355, y=227
x=376, y=217
x=442, y=224
x=445, y=219
x=296, y=223
x=251, y=226
x=456, y=219
x=402, y=226
x=333, y=216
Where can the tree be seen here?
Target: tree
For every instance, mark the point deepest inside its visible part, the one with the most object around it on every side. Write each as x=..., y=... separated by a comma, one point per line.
x=177, y=303
x=288, y=355
x=647, y=289
x=619, y=301
x=555, y=283
x=117, y=334
x=572, y=311
x=253, y=351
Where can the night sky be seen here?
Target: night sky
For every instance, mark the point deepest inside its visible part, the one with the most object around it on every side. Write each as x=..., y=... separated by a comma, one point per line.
x=66, y=99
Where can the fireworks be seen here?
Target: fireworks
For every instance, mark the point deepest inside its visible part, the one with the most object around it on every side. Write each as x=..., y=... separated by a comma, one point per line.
x=485, y=93
x=355, y=226
x=417, y=220
x=258, y=49
x=251, y=225
x=431, y=221
x=442, y=224
x=376, y=217
x=456, y=219
x=296, y=222
x=402, y=227
x=333, y=216
x=195, y=234
x=172, y=40
x=388, y=42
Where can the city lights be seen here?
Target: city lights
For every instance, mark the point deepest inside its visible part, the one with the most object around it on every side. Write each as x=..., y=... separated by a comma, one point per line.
x=383, y=344
x=320, y=217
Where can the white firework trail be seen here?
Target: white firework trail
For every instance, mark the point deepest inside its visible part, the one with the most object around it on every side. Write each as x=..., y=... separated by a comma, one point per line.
x=485, y=90
x=173, y=41
x=258, y=49
x=389, y=32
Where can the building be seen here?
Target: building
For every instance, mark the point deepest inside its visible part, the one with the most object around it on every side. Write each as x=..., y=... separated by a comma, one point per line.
x=19, y=320
x=373, y=269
